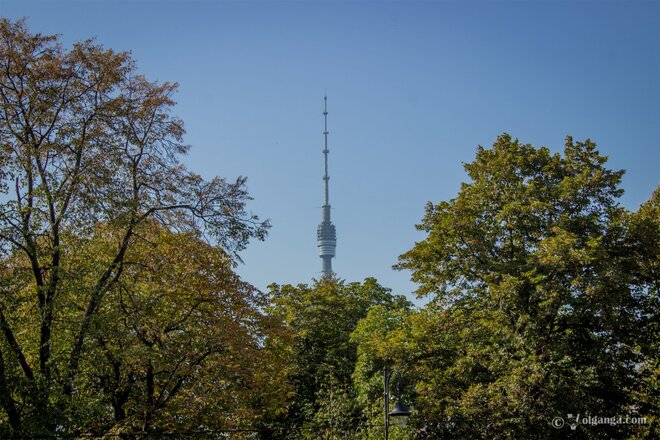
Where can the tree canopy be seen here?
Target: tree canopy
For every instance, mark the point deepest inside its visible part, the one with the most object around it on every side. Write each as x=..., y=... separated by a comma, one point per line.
x=90, y=171
x=323, y=355
x=544, y=298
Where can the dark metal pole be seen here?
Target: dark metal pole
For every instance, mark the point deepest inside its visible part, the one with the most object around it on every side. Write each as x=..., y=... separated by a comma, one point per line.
x=386, y=376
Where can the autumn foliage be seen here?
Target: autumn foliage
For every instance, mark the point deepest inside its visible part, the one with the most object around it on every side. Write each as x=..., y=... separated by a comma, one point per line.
x=119, y=308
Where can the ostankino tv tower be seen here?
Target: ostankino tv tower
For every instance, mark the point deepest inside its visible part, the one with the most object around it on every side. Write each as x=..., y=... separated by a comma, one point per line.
x=326, y=236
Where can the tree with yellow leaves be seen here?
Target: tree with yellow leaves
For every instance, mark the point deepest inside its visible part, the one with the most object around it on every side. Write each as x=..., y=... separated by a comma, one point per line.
x=86, y=143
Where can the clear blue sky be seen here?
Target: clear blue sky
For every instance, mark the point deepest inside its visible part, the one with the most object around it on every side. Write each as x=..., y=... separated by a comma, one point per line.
x=413, y=88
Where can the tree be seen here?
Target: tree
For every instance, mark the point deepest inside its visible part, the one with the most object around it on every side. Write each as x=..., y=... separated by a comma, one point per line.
x=643, y=265
x=323, y=356
x=540, y=285
x=85, y=140
x=181, y=341
x=380, y=338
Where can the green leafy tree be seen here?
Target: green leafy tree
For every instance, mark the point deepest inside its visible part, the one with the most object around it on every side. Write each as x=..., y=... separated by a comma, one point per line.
x=643, y=265
x=84, y=140
x=544, y=299
x=380, y=338
x=321, y=319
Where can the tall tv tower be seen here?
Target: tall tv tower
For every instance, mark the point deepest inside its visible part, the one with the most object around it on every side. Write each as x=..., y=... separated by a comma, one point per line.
x=326, y=236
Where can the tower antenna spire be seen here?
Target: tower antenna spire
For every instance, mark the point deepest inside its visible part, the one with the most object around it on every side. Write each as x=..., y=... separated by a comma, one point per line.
x=326, y=235
x=326, y=200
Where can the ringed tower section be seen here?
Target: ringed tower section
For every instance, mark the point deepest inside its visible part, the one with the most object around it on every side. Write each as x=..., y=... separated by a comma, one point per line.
x=326, y=235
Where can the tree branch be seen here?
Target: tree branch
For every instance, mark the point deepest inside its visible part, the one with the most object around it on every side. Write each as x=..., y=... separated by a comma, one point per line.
x=15, y=347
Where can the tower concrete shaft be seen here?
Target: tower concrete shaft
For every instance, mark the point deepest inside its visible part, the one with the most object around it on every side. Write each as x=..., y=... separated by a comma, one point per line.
x=326, y=235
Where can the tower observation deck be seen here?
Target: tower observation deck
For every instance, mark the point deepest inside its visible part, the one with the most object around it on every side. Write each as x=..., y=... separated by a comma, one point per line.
x=326, y=235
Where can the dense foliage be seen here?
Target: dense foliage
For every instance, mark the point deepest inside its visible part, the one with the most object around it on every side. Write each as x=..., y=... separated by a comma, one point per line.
x=323, y=355
x=544, y=300
x=115, y=313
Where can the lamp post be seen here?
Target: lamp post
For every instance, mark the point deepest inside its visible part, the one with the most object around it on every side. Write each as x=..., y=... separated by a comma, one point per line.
x=399, y=416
